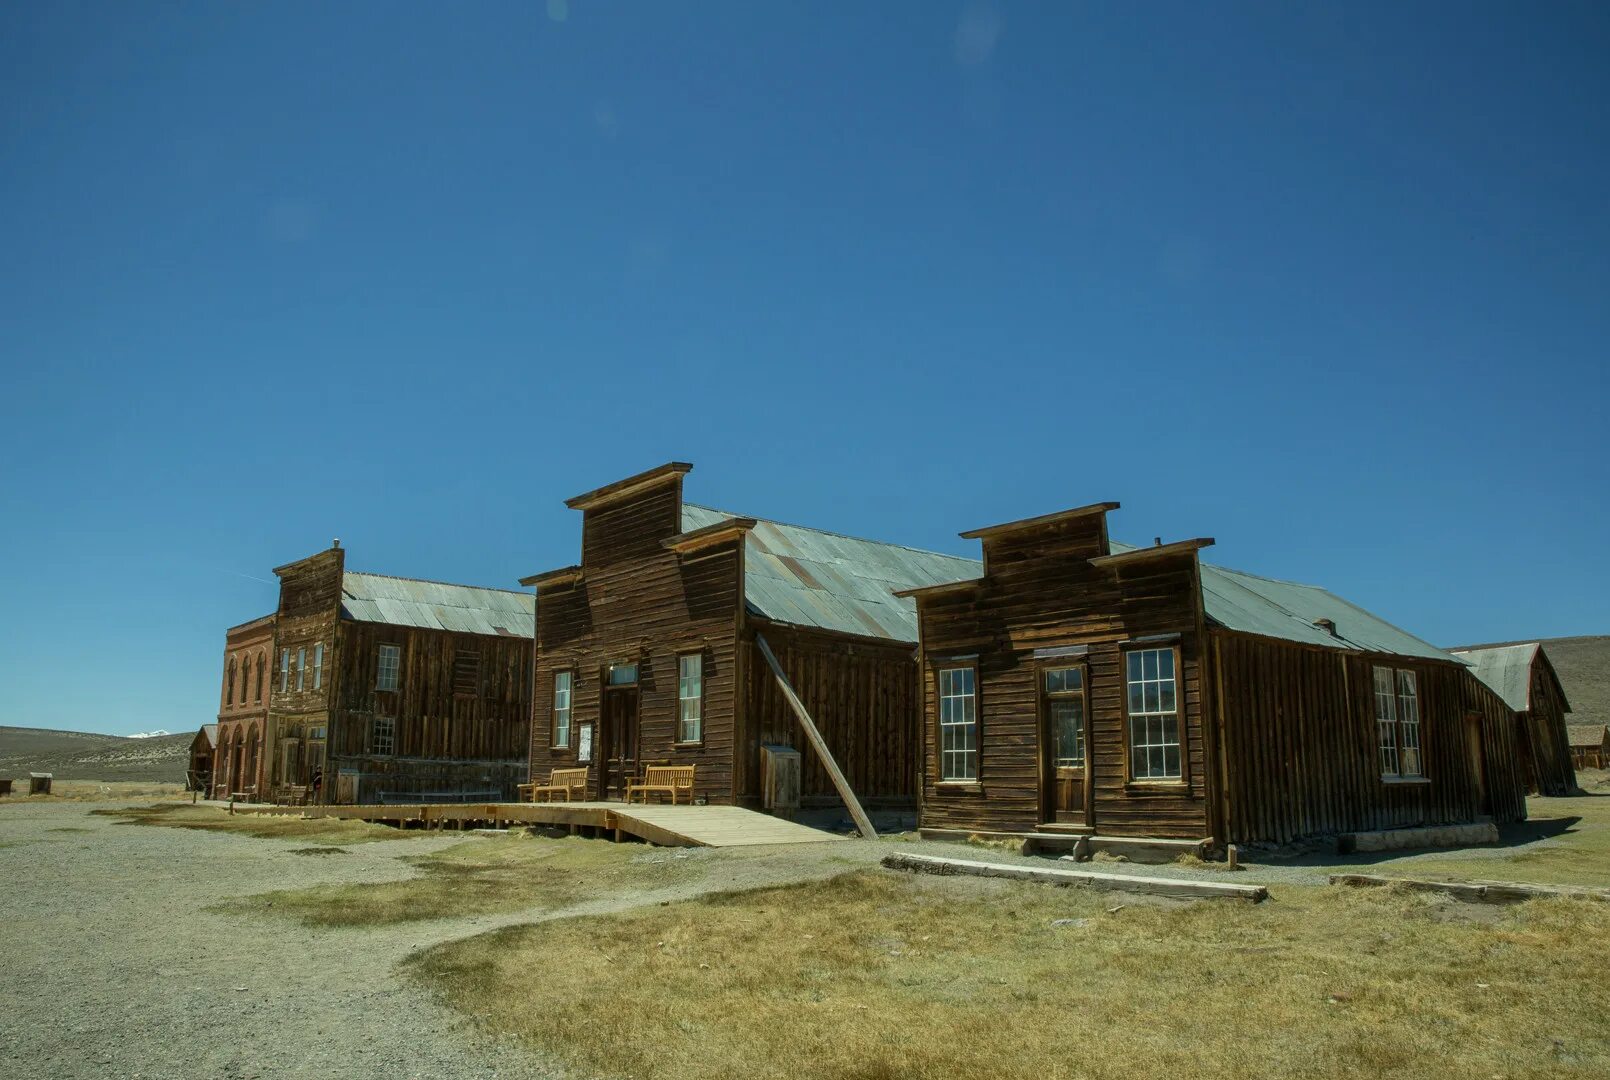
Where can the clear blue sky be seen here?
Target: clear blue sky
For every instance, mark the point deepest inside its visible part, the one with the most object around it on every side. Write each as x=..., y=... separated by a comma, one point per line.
x=1327, y=283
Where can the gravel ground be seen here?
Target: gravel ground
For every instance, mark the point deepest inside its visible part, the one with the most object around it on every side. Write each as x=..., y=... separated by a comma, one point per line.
x=114, y=967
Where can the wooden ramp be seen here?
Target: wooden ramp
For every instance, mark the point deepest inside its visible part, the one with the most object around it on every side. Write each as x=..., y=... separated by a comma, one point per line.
x=668, y=826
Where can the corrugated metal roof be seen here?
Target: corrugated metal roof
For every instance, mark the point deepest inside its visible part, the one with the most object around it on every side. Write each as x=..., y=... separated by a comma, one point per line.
x=1505, y=668
x=1286, y=609
x=807, y=577
x=434, y=605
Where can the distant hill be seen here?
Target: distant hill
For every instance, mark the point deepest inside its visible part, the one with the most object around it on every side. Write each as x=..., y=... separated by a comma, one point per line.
x=1583, y=664
x=79, y=755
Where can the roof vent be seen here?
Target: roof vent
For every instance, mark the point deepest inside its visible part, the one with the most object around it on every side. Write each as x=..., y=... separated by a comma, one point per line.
x=1157, y=541
x=1327, y=625
x=335, y=544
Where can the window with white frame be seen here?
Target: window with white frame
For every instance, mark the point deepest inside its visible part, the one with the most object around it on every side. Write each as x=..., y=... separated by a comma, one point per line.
x=690, y=698
x=388, y=667
x=383, y=735
x=958, y=724
x=562, y=682
x=285, y=670
x=318, y=666
x=1397, y=722
x=1154, y=716
x=301, y=669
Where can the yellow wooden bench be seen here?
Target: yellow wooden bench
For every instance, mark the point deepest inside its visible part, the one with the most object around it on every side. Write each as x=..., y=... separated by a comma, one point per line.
x=567, y=783
x=670, y=779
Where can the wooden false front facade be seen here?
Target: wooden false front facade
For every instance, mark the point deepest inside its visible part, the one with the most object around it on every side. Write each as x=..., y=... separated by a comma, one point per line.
x=374, y=699
x=657, y=626
x=1083, y=686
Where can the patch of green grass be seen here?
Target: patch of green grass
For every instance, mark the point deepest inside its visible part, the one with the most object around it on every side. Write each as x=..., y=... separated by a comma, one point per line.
x=507, y=873
x=216, y=819
x=876, y=975
x=1578, y=855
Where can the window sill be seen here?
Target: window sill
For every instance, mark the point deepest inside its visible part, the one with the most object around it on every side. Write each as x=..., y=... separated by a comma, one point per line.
x=1157, y=785
x=1408, y=781
x=688, y=745
x=959, y=787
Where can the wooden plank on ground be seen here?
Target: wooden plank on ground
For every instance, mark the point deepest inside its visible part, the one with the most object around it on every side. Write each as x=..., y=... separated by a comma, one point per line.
x=931, y=864
x=1475, y=892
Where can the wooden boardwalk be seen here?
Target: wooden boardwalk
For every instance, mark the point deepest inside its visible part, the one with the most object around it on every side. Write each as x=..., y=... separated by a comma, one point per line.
x=668, y=826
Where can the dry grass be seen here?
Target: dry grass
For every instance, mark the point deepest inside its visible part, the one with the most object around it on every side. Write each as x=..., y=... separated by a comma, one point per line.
x=216, y=819
x=94, y=791
x=874, y=975
x=485, y=875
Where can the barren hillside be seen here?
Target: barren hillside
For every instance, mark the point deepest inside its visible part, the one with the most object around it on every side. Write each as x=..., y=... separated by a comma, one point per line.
x=79, y=755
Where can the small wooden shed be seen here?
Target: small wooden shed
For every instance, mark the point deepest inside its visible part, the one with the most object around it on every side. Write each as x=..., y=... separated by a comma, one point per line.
x=39, y=783
x=203, y=749
x=1524, y=677
x=1590, y=745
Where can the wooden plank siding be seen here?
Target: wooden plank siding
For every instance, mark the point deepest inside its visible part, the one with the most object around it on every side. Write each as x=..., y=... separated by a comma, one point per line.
x=1300, y=754
x=1553, y=770
x=1041, y=591
x=862, y=696
x=638, y=602
x=444, y=738
x=309, y=613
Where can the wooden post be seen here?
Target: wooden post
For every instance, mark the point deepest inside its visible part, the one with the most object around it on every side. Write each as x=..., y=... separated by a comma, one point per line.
x=862, y=822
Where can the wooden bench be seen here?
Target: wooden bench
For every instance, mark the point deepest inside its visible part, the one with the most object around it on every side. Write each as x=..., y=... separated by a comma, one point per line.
x=567, y=783
x=667, y=778
x=291, y=795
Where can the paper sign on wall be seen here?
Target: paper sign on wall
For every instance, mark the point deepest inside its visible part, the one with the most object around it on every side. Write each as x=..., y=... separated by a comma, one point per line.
x=584, y=743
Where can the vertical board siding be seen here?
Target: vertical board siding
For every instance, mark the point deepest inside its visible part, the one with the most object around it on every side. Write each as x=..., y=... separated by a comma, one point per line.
x=861, y=695
x=1554, y=771
x=1300, y=752
x=639, y=602
x=1041, y=591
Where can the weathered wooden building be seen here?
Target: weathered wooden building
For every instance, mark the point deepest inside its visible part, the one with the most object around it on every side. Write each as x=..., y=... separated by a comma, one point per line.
x=647, y=649
x=387, y=688
x=203, y=750
x=1080, y=685
x=1590, y=745
x=238, y=764
x=1524, y=677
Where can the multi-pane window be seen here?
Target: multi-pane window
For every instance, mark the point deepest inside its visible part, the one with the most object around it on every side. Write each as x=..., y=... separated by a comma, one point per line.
x=388, y=667
x=623, y=674
x=382, y=735
x=1397, y=722
x=958, y=724
x=690, y=698
x=1154, y=716
x=318, y=666
x=301, y=668
x=285, y=670
x=1065, y=706
x=562, y=681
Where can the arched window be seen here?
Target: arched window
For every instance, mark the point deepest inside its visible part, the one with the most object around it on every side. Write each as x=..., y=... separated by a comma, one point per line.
x=229, y=684
x=262, y=680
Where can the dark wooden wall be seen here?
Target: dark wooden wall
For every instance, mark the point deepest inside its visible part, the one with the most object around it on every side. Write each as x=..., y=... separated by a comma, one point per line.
x=445, y=737
x=638, y=601
x=1041, y=591
x=1553, y=769
x=1300, y=756
x=309, y=612
x=862, y=695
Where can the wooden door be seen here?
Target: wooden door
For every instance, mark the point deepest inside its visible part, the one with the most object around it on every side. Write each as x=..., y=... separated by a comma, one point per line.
x=1064, y=726
x=1478, y=762
x=617, y=736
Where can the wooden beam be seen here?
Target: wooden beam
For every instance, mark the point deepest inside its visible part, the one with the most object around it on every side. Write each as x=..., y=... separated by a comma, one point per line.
x=567, y=575
x=932, y=864
x=946, y=587
x=621, y=489
x=1158, y=551
x=1475, y=892
x=720, y=532
x=1043, y=520
x=862, y=822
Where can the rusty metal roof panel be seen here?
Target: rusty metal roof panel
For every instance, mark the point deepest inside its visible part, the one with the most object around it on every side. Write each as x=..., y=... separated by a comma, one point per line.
x=435, y=605
x=808, y=577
